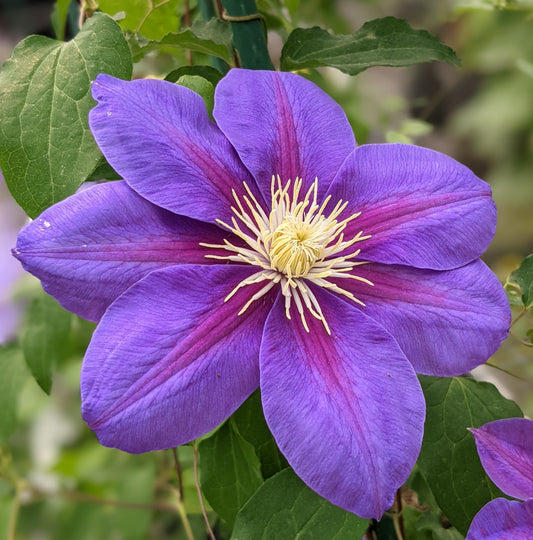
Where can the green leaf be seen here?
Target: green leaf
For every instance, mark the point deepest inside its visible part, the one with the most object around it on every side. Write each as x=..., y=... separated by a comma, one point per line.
x=207, y=72
x=13, y=375
x=202, y=87
x=103, y=171
x=448, y=459
x=150, y=19
x=59, y=17
x=209, y=37
x=284, y=508
x=46, y=147
x=520, y=283
x=45, y=338
x=381, y=42
x=430, y=522
x=249, y=421
x=230, y=471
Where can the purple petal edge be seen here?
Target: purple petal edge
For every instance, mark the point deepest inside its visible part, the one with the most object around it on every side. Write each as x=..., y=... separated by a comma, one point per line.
x=505, y=448
x=501, y=519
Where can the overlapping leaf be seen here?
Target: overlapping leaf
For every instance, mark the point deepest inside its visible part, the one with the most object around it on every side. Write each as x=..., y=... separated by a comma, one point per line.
x=45, y=338
x=285, y=508
x=209, y=37
x=46, y=147
x=448, y=459
x=381, y=42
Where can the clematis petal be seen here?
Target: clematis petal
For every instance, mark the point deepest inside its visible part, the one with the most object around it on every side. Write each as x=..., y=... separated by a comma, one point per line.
x=89, y=248
x=282, y=124
x=501, y=519
x=158, y=137
x=420, y=207
x=505, y=448
x=346, y=410
x=170, y=359
x=446, y=322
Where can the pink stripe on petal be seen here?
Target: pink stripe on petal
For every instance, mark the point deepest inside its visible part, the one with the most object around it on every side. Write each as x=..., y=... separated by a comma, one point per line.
x=285, y=126
x=501, y=519
x=421, y=208
x=505, y=448
x=89, y=248
x=346, y=410
x=446, y=322
x=158, y=137
x=170, y=359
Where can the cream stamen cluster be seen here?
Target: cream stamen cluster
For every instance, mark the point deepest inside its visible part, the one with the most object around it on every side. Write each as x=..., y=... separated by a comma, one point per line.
x=294, y=244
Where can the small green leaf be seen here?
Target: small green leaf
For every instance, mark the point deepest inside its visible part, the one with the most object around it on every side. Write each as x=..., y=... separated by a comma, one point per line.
x=59, y=18
x=430, y=522
x=209, y=37
x=448, y=459
x=251, y=424
x=46, y=147
x=103, y=171
x=13, y=375
x=381, y=42
x=520, y=282
x=284, y=508
x=207, y=72
x=202, y=87
x=45, y=338
x=150, y=19
x=230, y=471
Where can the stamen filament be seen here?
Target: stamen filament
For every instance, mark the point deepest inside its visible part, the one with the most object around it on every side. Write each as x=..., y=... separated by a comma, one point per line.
x=294, y=245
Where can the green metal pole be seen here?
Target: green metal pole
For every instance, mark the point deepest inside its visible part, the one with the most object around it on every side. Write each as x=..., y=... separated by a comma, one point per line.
x=208, y=11
x=249, y=35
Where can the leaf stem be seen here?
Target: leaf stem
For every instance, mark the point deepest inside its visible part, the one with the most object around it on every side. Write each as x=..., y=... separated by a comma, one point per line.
x=13, y=516
x=184, y=520
x=151, y=8
x=177, y=467
x=518, y=317
x=396, y=515
x=490, y=364
x=199, y=491
x=76, y=496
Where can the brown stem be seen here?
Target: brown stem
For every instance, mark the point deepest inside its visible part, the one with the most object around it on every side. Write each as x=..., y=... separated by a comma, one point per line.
x=177, y=467
x=199, y=491
x=76, y=496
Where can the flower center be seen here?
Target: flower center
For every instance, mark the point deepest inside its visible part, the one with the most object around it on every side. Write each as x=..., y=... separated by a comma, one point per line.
x=294, y=244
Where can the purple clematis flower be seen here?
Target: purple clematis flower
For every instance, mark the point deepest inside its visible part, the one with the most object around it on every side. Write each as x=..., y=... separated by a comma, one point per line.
x=267, y=251
x=505, y=448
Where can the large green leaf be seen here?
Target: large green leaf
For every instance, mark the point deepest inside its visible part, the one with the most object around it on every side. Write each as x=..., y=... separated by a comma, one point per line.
x=46, y=147
x=448, y=459
x=151, y=19
x=13, y=374
x=230, y=471
x=45, y=338
x=209, y=37
x=381, y=42
x=284, y=508
x=251, y=424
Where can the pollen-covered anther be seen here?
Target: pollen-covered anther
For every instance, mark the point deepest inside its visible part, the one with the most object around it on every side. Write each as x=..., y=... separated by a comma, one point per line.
x=295, y=244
